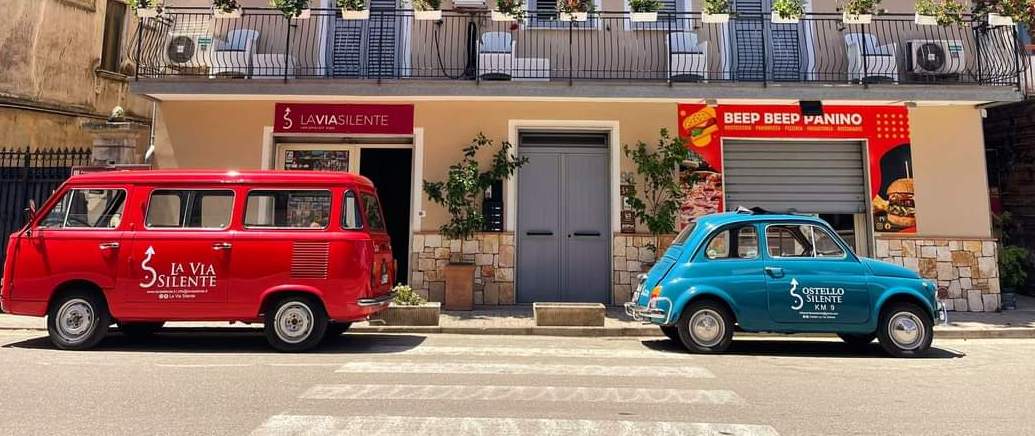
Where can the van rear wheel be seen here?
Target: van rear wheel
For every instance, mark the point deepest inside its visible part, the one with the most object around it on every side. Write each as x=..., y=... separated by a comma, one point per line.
x=78, y=321
x=295, y=323
x=706, y=327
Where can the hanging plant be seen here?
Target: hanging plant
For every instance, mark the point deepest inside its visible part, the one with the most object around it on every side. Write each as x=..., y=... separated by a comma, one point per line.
x=354, y=9
x=427, y=9
x=292, y=8
x=509, y=10
x=146, y=8
x=787, y=11
x=644, y=10
x=574, y=10
x=859, y=11
x=1004, y=12
x=716, y=11
x=226, y=9
x=939, y=12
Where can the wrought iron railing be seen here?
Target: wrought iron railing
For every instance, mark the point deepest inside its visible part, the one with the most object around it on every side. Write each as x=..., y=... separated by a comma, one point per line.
x=678, y=47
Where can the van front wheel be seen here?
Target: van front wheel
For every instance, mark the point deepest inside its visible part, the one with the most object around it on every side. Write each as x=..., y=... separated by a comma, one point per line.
x=78, y=321
x=295, y=323
x=706, y=327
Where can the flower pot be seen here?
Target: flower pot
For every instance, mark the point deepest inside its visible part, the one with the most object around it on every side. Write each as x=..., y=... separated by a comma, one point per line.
x=147, y=12
x=714, y=18
x=643, y=17
x=502, y=16
x=856, y=18
x=574, y=16
x=355, y=15
x=424, y=315
x=777, y=19
x=925, y=20
x=996, y=20
x=305, y=14
x=233, y=13
x=459, y=286
x=427, y=15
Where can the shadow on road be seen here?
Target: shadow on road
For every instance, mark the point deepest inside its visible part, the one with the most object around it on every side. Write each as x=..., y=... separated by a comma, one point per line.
x=235, y=340
x=800, y=348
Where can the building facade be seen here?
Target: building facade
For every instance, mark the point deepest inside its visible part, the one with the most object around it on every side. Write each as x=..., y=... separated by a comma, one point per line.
x=862, y=124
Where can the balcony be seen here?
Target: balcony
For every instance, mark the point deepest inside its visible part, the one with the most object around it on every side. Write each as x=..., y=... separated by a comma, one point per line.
x=188, y=51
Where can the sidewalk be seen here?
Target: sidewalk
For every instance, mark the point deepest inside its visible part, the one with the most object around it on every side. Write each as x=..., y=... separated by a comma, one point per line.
x=517, y=320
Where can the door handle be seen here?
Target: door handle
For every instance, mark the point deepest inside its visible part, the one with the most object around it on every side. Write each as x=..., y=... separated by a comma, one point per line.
x=587, y=233
x=538, y=233
x=108, y=245
x=774, y=271
x=221, y=246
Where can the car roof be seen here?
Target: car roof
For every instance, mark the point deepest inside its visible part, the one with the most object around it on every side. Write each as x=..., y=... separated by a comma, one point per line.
x=232, y=177
x=721, y=219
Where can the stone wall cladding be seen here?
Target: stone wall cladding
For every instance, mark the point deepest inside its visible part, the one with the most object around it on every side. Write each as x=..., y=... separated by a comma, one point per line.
x=631, y=254
x=493, y=254
x=967, y=269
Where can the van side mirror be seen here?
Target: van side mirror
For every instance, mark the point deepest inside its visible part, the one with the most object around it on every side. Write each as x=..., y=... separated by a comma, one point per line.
x=30, y=211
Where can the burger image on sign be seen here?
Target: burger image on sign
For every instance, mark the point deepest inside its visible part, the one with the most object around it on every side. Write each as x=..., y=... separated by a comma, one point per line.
x=901, y=208
x=700, y=126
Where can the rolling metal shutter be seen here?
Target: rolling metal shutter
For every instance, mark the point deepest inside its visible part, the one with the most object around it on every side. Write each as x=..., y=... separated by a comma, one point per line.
x=808, y=177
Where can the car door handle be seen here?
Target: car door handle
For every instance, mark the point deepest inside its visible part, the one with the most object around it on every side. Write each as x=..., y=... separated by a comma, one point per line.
x=108, y=245
x=773, y=271
x=221, y=246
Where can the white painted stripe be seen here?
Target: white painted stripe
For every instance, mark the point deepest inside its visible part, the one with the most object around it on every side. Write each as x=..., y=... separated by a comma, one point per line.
x=418, y=426
x=521, y=393
x=534, y=352
x=203, y=365
x=517, y=368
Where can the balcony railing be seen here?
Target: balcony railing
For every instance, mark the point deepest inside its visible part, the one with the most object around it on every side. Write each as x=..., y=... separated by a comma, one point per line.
x=678, y=47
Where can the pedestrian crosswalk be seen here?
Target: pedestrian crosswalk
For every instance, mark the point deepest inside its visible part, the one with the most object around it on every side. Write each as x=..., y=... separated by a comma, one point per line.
x=485, y=388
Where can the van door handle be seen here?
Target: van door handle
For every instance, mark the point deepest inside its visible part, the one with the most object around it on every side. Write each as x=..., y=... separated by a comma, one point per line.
x=108, y=245
x=221, y=246
x=774, y=271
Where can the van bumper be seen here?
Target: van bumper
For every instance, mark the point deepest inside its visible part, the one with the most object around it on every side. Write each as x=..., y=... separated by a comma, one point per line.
x=380, y=300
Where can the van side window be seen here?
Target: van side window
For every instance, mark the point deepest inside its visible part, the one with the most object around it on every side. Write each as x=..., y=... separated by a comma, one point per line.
x=373, y=210
x=351, y=218
x=196, y=209
x=87, y=208
x=288, y=209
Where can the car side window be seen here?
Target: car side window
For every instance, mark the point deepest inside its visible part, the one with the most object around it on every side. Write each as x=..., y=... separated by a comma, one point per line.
x=733, y=243
x=801, y=240
x=182, y=208
x=351, y=218
x=87, y=209
x=373, y=210
x=294, y=208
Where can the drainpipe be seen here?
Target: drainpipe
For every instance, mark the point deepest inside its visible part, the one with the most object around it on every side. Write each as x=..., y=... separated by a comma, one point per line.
x=150, y=153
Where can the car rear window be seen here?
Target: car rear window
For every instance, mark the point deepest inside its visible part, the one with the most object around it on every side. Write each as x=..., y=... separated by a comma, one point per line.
x=351, y=218
x=373, y=211
x=685, y=233
x=801, y=240
x=186, y=208
x=288, y=208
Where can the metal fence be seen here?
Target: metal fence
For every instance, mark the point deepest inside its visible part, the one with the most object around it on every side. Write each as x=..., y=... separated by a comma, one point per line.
x=31, y=174
x=469, y=45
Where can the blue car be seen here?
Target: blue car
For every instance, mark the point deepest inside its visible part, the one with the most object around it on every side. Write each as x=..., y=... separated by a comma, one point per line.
x=720, y=275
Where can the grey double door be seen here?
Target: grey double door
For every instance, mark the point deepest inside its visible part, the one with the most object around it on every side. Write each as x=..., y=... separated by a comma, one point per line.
x=563, y=219
x=763, y=50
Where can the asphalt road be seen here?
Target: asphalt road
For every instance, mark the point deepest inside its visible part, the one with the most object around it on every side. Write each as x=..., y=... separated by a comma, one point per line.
x=363, y=384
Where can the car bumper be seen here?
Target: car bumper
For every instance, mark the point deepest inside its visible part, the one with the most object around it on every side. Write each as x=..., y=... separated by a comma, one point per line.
x=378, y=301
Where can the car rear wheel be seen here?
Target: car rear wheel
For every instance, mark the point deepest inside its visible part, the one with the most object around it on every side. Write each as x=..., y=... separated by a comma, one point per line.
x=295, y=323
x=78, y=321
x=857, y=341
x=140, y=330
x=706, y=327
x=672, y=332
x=905, y=330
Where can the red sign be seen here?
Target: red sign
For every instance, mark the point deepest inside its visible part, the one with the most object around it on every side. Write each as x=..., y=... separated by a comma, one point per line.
x=389, y=119
x=884, y=128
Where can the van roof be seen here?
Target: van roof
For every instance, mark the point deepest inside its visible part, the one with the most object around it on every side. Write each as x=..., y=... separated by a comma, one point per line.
x=221, y=177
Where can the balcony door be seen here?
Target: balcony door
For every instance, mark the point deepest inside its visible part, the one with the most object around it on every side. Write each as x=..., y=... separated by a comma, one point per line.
x=767, y=51
x=373, y=48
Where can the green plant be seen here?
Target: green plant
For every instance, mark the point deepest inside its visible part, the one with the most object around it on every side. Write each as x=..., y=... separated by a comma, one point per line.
x=226, y=6
x=406, y=296
x=789, y=8
x=352, y=5
x=1020, y=10
x=860, y=7
x=1015, y=263
x=462, y=191
x=514, y=8
x=144, y=4
x=573, y=6
x=427, y=5
x=946, y=12
x=290, y=8
x=644, y=5
x=662, y=190
x=717, y=6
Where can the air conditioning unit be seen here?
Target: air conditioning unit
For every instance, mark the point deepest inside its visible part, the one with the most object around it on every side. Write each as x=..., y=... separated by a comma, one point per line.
x=190, y=45
x=936, y=56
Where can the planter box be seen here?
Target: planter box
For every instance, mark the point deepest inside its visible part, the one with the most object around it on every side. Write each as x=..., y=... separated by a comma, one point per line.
x=925, y=20
x=500, y=16
x=427, y=15
x=147, y=12
x=236, y=13
x=306, y=13
x=777, y=19
x=996, y=20
x=715, y=18
x=856, y=18
x=459, y=286
x=423, y=315
x=574, y=16
x=643, y=17
x=355, y=15
x=568, y=314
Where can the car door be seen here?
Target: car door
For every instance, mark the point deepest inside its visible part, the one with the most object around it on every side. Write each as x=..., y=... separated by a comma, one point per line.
x=178, y=266
x=731, y=262
x=811, y=276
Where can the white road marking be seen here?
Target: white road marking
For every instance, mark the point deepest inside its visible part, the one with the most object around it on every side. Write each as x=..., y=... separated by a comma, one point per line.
x=525, y=369
x=534, y=352
x=419, y=426
x=203, y=365
x=521, y=393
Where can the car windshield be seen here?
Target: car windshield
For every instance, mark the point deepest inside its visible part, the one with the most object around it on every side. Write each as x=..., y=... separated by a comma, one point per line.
x=685, y=233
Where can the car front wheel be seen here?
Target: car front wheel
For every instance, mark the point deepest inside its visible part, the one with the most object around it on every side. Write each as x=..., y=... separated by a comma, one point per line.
x=78, y=321
x=706, y=327
x=295, y=323
x=905, y=330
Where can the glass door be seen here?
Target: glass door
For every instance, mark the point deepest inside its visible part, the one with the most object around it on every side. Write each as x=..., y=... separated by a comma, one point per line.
x=318, y=157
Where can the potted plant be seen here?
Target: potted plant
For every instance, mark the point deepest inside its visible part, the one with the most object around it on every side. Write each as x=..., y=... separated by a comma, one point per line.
x=574, y=10
x=430, y=10
x=1003, y=12
x=716, y=11
x=461, y=194
x=409, y=308
x=1015, y=263
x=859, y=11
x=226, y=9
x=663, y=192
x=292, y=8
x=787, y=11
x=644, y=11
x=509, y=10
x=354, y=9
x=146, y=8
x=938, y=12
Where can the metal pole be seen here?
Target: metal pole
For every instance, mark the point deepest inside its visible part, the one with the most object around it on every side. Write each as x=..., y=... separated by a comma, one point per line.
x=287, y=49
x=140, y=42
x=571, y=35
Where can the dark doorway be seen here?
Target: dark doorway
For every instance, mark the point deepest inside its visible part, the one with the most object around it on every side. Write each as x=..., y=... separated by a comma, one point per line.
x=390, y=170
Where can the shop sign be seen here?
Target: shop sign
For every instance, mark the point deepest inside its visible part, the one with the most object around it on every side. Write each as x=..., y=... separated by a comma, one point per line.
x=385, y=119
x=884, y=128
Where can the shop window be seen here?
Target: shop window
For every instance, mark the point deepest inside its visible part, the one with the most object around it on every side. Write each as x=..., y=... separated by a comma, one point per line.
x=288, y=209
x=87, y=208
x=373, y=210
x=734, y=243
x=169, y=208
x=351, y=218
x=114, y=28
x=801, y=240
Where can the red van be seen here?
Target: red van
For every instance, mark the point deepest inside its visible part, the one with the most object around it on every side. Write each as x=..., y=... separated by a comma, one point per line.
x=306, y=253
